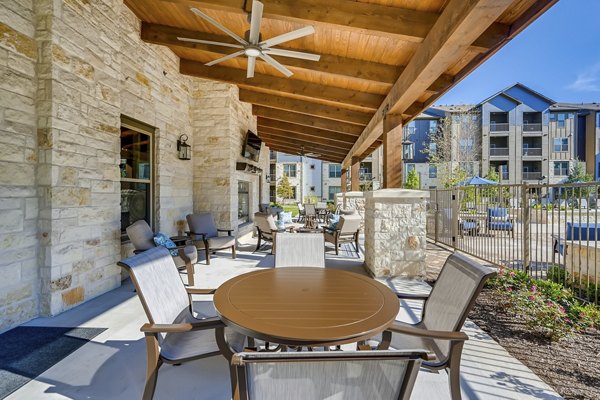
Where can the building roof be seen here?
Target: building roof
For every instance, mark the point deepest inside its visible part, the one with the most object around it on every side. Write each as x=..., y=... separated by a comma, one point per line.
x=575, y=106
x=454, y=107
x=502, y=92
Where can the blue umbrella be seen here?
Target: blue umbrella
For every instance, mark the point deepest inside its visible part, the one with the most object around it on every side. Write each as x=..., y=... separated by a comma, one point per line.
x=476, y=181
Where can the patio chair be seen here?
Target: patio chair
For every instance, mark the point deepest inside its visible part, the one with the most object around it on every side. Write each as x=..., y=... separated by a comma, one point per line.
x=444, y=313
x=310, y=211
x=499, y=220
x=346, y=230
x=327, y=374
x=177, y=330
x=266, y=229
x=205, y=234
x=142, y=238
x=322, y=211
x=300, y=212
x=300, y=250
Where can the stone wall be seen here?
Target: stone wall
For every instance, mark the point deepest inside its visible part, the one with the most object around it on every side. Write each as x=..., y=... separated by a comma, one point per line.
x=71, y=69
x=352, y=201
x=395, y=237
x=19, y=241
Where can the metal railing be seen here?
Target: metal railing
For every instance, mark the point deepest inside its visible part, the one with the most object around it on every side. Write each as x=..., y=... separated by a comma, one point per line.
x=365, y=176
x=532, y=127
x=532, y=151
x=549, y=231
x=498, y=127
x=532, y=176
x=498, y=151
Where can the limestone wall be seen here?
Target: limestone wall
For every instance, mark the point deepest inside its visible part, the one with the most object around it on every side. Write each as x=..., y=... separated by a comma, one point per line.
x=353, y=201
x=19, y=241
x=70, y=70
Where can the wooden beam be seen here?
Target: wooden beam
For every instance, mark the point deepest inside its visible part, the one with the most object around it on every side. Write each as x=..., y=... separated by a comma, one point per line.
x=392, y=151
x=305, y=120
x=344, y=180
x=291, y=127
x=354, y=174
x=331, y=64
x=374, y=19
x=458, y=26
x=309, y=147
x=294, y=151
x=300, y=136
x=368, y=101
x=305, y=107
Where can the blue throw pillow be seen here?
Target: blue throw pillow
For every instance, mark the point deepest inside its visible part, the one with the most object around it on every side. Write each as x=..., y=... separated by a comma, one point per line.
x=333, y=221
x=160, y=239
x=285, y=217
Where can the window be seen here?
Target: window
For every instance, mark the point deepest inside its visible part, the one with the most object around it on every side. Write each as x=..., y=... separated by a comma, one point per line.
x=272, y=171
x=432, y=148
x=559, y=118
x=311, y=189
x=561, y=168
x=410, y=167
x=466, y=145
x=335, y=170
x=289, y=170
x=433, y=171
x=467, y=167
x=333, y=190
x=561, y=144
x=312, y=166
x=433, y=126
x=273, y=194
x=136, y=173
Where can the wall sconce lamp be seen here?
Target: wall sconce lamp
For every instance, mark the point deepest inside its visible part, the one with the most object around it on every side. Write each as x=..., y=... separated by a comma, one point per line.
x=184, y=150
x=268, y=178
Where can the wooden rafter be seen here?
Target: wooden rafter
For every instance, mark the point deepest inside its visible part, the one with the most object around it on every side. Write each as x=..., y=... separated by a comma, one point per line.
x=459, y=24
x=346, y=143
x=314, y=122
x=308, y=145
x=317, y=132
x=290, y=86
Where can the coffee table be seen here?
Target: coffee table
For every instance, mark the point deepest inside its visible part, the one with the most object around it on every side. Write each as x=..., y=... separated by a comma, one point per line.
x=305, y=306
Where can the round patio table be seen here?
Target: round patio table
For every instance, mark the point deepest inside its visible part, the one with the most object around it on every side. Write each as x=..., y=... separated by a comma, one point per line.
x=306, y=306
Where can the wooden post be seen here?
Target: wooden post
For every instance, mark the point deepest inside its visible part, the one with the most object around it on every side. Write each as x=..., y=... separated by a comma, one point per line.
x=344, y=180
x=354, y=171
x=392, y=151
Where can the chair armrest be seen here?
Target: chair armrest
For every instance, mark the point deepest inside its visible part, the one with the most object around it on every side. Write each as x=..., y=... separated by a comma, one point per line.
x=412, y=296
x=192, y=290
x=225, y=230
x=138, y=251
x=209, y=323
x=410, y=330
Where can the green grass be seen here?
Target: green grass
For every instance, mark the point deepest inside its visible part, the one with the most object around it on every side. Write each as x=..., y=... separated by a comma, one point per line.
x=291, y=208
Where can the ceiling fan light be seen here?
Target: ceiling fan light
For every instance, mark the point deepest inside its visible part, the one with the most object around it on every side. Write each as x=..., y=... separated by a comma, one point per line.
x=252, y=51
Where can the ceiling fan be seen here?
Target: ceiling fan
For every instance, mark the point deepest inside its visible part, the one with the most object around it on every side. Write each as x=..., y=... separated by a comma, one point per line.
x=252, y=46
x=302, y=153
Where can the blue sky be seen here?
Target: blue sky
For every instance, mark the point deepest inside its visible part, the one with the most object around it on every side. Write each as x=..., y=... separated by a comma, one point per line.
x=558, y=55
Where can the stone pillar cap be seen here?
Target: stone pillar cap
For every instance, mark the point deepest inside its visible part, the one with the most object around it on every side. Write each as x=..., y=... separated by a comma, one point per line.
x=398, y=194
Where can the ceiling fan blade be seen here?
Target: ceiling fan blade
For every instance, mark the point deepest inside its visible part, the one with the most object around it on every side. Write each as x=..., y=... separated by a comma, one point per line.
x=251, y=65
x=270, y=60
x=218, y=25
x=227, y=57
x=286, y=37
x=255, y=18
x=293, y=54
x=237, y=46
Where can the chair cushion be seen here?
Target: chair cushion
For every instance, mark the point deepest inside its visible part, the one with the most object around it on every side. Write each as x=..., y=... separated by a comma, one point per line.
x=501, y=226
x=217, y=242
x=160, y=239
x=285, y=217
x=141, y=235
x=202, y=223
x=469, y=225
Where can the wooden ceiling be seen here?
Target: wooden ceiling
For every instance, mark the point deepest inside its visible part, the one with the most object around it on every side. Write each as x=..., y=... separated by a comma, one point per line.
x=377, y=57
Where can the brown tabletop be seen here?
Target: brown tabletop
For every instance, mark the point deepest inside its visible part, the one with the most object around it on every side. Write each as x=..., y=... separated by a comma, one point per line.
x=306, y=306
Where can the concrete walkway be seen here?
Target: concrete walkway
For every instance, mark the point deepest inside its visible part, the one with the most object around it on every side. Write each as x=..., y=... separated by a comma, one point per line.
x=112, y=365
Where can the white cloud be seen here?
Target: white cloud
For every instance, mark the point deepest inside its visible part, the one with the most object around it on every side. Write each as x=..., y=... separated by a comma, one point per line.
x=588, y=80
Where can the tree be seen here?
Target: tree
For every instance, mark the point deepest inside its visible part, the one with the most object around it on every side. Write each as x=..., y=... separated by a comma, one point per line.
x=284, y=189
x=578, y=175
x=455, y=146
x=412, y=180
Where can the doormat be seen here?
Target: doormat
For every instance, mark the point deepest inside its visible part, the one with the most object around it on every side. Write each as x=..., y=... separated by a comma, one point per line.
x=28, y=351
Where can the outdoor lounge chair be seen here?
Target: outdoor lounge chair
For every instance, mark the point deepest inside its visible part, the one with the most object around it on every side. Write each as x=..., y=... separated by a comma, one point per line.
x=300, y=212
x=142, y=238
x=177, y=330
x=266, y=229
x=444, y=312
x=346, y=230
x=299, y=250
x=205, y=234
x=327, y=375
x=499, y=220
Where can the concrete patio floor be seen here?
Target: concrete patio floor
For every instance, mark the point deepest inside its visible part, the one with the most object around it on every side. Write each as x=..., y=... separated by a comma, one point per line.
x=112, y=365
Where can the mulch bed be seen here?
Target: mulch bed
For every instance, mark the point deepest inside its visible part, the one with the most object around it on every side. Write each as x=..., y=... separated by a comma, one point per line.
x=571, y=366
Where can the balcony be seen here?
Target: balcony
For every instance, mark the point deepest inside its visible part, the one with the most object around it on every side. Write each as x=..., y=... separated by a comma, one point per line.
x=532, y=176
x=366, y=176
x=532, y=127
x=499, y=127
x=499, y=152
x=532, y=152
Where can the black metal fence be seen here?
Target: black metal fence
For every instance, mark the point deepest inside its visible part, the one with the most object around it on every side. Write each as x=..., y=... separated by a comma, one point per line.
x=550, y=231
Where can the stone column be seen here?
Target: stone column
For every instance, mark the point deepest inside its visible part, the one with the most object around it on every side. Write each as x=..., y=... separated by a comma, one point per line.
x=353, y=201
x=395, y=241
